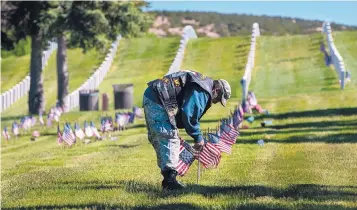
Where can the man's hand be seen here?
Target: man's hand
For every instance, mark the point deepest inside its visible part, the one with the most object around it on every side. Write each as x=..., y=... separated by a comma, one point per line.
x=199, y=146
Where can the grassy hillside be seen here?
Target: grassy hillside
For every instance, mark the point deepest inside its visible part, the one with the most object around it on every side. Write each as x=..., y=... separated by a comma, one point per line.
x=346, y=44
x=80, y=67
x=308, y=161
x=13, y=70
x=237, y=24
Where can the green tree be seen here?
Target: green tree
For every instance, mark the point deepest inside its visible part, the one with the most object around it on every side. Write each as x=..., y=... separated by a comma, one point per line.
x=92, y=24
x=21, y=19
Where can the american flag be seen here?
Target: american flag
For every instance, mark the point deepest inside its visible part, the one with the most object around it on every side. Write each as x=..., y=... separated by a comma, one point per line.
x=106, y=125
x=6, y=133
x=237, y=117
x=87, y=130
x=138, y=112
x=71, y=131
x=131, y=117
x=127, y=117
x=59, y=135
x=221, y=145
x=50, y=117
x=26, y=123
x=229, y=133
x=186, y=158
x=241, y=111
x=41, y=120
x=120, y=120
x=68, y=136
x=78, y=131
x=15, y=129
x=210, y=156
x=33, y=120
x=94, y=129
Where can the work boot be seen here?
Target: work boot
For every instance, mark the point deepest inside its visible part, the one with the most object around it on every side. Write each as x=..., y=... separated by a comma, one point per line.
x=170, y=182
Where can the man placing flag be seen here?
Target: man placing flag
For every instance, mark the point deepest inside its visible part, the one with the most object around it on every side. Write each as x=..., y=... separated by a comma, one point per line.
x=179, y=100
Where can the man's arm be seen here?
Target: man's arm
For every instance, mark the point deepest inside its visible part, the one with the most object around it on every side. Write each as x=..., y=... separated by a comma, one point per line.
x=195, y=101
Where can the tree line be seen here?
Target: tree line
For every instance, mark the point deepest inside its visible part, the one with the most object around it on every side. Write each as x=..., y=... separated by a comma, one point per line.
x=83, y=24
x=240, y=24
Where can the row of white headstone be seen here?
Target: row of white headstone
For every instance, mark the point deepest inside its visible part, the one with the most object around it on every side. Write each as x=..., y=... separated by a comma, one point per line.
x=336, y=58
x=250, y=64
x=72, y=100
x=22, y=88
x=187, y=34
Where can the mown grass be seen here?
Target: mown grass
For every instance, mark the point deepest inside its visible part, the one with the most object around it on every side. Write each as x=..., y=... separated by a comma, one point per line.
x=346, y=44
x=80, y=67
x=308, y=161
x=13, y=70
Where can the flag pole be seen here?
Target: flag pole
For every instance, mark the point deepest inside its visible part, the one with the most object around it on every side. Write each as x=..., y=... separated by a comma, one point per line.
x=198, y=168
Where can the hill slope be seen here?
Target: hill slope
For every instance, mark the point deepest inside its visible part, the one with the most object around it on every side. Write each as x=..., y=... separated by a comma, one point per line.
x=213, y=24
x=308, y=162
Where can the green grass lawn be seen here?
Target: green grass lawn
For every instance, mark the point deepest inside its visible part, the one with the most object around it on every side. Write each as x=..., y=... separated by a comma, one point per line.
x=13, y=70
x=346, y=44
x=80, y=67
x=309, y=160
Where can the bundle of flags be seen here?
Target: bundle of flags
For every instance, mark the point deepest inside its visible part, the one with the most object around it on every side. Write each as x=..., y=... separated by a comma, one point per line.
x=70, y=135
x=106, y=124
x=90, y=130
x=216, y=142
x=66, y=136
x=123, y=119
x=54, y=114
x=26, y=123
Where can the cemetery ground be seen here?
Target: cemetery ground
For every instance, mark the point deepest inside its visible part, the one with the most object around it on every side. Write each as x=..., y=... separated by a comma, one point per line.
x=309, y=160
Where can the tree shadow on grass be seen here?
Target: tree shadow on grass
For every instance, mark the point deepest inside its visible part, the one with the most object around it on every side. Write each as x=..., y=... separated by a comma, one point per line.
x=188, y=206
x=295, y=192
x=313, y=113
x=332, y=139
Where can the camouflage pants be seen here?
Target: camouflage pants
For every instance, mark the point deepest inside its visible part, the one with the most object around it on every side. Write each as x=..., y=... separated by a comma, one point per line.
x=163, y=137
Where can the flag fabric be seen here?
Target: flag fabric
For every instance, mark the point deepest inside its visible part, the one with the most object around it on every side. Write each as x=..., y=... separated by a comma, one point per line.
x=138, y=112
x=229, y=133
x=221, y=145
x=67, y=136
x=71, y=131
x=210, y=156
x=41, y=120
x=238, y=116
x=59, y=135
x=108, y=125
x=131, y=117
x=6, y=133
x=50, y=117
x=94, y=129
x=120, y=120
x=33, y=120
x=186, y=158
x=15, y=129
x=26, y=123
x=88, y=130
x=78, y=132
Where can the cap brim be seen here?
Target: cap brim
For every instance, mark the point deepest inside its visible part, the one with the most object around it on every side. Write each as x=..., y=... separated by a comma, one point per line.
x=223, y=101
